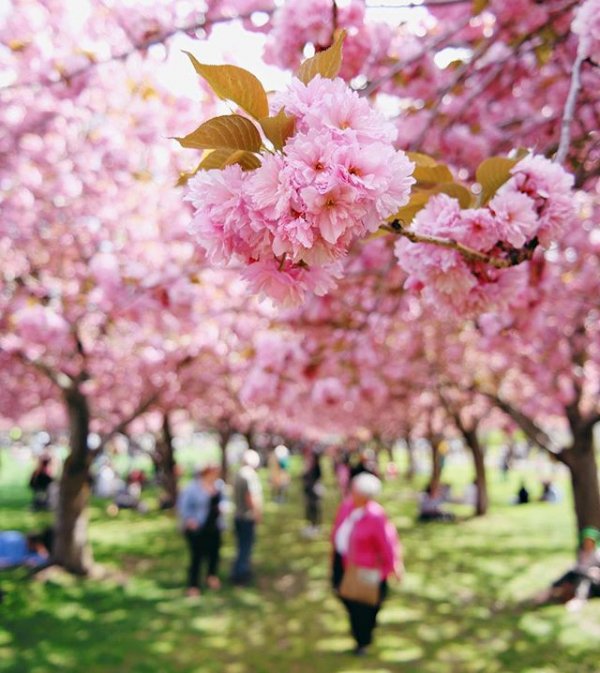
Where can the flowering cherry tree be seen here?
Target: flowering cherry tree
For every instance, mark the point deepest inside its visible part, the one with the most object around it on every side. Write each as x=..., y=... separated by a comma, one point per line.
x=408, y=201
x=472, y=230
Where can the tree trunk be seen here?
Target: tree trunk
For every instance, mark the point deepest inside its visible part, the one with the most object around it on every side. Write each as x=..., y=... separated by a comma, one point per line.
x=224, y=437
x=71, y=548
x=436, y=461
x=472, y=441
x=166, y=465
x=411, y=467
x=581, y=461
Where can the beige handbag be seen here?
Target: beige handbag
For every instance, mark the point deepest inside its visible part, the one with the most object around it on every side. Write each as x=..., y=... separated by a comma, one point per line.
x=361, y=585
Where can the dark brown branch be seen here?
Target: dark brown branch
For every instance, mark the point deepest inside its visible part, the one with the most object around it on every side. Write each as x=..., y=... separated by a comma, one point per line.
x=529, y=427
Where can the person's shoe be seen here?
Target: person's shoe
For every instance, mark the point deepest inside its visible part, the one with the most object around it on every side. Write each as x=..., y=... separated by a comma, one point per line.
x=360, y=651
x=310, y=532
x=213, y=582
x=192, y=592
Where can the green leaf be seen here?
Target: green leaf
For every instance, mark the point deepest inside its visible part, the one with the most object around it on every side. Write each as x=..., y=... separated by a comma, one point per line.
x=491, y=175
x=326, y=63
x=279, y=128
x=222, y=158
x=232, y=132
x=235, y=84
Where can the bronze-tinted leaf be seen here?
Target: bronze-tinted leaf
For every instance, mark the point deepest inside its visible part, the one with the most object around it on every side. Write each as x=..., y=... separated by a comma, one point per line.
x=222, y=158
x=235, y=84
x=326, y=63
x=279, y=128
x=228, y=131
x=492, y=174
x=478, y=6
x=456, y=191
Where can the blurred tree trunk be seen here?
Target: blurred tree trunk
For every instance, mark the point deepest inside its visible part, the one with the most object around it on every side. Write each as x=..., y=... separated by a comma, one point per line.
x=165, y=463
x=224, y=433
x=437, y=463
x=71, y=548
x=472, y=442
x=580, y=458
x=411, y=468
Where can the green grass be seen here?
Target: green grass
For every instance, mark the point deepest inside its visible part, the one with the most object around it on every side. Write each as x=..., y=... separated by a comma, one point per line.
x=457, y=612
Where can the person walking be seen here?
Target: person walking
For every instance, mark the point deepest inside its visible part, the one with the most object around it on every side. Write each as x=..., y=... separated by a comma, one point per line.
x=200, y=511
x=366, y=551
x=313, y=492
x=40, y=482
x=247, y=495
x=279, y=476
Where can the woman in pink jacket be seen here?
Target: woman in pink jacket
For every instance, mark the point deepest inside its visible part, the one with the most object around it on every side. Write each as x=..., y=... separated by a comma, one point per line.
x=364, y=537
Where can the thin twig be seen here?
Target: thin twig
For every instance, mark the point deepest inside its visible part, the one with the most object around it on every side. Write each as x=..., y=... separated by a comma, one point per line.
x=565, y=127
x=65, y=78
x=409, y=4
x=398, y=67
x=514, y=258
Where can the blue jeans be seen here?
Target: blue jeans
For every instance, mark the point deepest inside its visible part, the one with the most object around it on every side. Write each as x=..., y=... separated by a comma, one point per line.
x=244, y=534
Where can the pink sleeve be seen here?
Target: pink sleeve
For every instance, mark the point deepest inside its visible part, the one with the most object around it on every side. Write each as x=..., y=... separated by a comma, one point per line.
x=389, y=545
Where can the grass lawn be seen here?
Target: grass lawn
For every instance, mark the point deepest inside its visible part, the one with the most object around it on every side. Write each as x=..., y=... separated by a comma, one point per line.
x=458, y=610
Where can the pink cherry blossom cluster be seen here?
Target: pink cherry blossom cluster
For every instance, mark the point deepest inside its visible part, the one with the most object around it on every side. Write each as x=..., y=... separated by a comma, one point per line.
x=534, y=206
x=586, y=24
x=296, y=24
x=291, y=220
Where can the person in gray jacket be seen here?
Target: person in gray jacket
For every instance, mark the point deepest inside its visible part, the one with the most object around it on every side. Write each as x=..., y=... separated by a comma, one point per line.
x=247, y=492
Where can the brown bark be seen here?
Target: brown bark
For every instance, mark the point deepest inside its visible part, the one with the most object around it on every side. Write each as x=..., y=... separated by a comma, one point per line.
x=411, y=468
x=164, y=460
x=224, y=437
x=71, y=548
x=472, y=442
x=581, y=461
x=436, y=461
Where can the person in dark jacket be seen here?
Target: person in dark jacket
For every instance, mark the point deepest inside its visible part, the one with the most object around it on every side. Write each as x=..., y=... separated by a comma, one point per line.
x=200, y=511
x=39, y=483
x=313, y=492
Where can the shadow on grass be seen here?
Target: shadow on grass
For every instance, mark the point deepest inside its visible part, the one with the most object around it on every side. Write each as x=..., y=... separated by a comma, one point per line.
x=457, y=611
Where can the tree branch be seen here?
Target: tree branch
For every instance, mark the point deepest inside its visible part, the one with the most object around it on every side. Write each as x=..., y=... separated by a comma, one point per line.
x=529, y=427
x=58, y=378
x=122, y=425
x=371, y=87
x=515, y=256
x=65, y=78
x=565, y=128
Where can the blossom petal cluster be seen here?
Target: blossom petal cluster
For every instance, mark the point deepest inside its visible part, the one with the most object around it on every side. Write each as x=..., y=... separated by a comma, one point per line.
x=297, y=24
x=586, y=25
x=533, y=207
x=292, y=219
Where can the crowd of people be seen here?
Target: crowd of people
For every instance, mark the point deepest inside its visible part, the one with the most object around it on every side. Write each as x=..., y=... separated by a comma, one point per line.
x=365, y=546
x=365, y=549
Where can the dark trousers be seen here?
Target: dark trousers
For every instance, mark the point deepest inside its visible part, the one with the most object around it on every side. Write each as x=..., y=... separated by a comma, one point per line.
x=313, y=508
x=245, y=536
x=205, y=547
x=363, y=618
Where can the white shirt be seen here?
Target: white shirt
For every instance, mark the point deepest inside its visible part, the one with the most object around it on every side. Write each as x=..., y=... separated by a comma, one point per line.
x=342, y=536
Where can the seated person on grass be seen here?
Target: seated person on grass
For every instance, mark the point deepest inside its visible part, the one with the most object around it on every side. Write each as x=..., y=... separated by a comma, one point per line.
x=430, y=504
x=18, y=549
